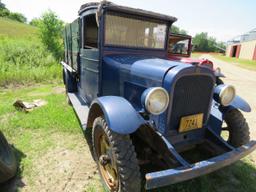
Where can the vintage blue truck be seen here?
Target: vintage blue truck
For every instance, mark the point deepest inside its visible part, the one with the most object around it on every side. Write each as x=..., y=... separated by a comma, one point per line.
x=145, y=115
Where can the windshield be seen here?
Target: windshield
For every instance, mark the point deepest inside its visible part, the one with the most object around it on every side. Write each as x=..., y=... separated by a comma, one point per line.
x=179, y=45
x=131, y=32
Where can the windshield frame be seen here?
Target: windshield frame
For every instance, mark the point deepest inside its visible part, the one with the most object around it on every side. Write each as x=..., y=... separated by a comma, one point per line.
x=143, y=18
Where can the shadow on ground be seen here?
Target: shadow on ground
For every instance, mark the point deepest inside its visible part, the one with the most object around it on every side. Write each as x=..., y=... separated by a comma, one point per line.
x=15, y=183
x=238, y=177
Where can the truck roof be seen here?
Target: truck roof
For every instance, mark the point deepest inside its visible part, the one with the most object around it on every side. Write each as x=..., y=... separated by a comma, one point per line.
x=111, y=6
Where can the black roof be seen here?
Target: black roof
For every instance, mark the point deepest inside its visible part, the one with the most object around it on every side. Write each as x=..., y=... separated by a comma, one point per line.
x=111, y=6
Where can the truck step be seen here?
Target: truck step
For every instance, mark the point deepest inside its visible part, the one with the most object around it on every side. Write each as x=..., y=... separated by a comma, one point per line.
x=80, y=107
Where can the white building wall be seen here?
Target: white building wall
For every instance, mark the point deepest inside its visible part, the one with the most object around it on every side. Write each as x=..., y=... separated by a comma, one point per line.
x=247, y=49
x=228, y=49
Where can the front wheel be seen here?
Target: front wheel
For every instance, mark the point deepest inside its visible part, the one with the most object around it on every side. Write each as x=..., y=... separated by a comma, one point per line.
x=237, y=128
x=116, y=159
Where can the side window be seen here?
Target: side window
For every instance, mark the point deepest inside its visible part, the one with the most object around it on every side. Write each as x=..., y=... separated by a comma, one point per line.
x=90, y=32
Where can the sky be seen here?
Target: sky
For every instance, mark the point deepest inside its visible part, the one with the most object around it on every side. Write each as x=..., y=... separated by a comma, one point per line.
x=222, y=19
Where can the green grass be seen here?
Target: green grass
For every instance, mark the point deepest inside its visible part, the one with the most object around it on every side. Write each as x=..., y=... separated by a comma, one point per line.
x=34, y=134
x=248, y=64
x=23, y=58
x=16, y=29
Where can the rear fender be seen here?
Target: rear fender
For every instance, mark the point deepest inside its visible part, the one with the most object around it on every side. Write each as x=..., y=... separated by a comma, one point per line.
x=119, y=114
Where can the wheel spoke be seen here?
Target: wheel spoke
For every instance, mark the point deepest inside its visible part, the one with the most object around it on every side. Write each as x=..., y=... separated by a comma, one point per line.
x=107, y=165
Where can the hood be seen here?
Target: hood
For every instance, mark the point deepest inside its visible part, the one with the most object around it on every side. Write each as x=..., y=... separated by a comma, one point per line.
x=143, y=67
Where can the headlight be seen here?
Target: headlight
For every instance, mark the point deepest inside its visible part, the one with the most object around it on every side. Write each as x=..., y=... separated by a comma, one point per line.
x=225, y=94
x=155, y=100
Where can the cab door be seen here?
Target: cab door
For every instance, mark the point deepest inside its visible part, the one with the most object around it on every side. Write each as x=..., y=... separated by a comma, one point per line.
x=89, y=55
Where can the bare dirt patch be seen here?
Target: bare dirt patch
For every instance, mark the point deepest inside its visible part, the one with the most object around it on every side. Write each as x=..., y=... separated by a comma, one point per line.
x=66, y=167
x=58, y=90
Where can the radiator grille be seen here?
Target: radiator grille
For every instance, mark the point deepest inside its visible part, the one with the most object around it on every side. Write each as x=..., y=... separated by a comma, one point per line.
x=192, y=95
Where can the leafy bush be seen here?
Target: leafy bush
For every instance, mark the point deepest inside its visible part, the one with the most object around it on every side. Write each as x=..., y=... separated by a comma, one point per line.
x=26, y=60
x=50, y=30
x=18, y=17
x=35, y=22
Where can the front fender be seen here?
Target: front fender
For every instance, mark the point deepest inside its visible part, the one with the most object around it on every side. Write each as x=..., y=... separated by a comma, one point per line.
x=119, y=114
x=219, y=74
x=238, y=103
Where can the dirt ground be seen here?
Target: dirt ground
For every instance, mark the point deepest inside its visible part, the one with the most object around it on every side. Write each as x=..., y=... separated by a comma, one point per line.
x=68, y=167
x=244, y=81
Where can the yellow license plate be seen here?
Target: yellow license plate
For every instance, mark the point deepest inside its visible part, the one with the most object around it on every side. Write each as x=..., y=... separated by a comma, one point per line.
x=191, y=122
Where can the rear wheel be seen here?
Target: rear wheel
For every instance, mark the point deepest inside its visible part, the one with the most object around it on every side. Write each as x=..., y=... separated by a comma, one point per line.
x=237, y=127
x=69, y=81
x=116, y=159
x=8, y=164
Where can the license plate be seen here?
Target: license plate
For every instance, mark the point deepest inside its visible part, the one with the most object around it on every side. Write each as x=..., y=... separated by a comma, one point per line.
x=191, y=122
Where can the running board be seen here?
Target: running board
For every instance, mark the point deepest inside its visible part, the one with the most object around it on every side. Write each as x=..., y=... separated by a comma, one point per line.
x=80, y=107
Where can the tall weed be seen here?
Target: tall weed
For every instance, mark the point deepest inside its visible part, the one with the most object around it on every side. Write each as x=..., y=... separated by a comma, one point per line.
x=26, y=60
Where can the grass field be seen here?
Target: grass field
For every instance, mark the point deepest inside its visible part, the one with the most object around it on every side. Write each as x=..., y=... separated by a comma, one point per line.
x=42, y=135
x=15, y=29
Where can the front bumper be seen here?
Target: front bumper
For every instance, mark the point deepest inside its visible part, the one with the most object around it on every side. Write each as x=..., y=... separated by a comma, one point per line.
x=171, y=176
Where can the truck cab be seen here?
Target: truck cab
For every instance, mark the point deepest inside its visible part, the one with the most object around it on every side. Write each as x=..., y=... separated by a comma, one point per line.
x=142, y=109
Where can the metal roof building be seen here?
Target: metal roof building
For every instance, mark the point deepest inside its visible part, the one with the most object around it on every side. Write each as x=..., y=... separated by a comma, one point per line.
x=243, y=46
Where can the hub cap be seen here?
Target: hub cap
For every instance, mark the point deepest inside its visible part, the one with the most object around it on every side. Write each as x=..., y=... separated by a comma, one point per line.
x=107, y=164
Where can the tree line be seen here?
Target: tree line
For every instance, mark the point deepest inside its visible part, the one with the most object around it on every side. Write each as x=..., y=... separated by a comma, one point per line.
x=202, y=42
x=4, y=12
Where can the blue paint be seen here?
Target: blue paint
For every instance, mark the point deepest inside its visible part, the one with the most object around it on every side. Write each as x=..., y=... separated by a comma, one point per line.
x=216, y=118
x=240, y=103
x=121, y=117
x=170, y=176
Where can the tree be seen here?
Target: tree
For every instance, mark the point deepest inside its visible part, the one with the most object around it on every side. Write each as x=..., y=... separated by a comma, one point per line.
x=2, y=5
x=200, y=42
x=50, y=29
x=203, y=43
x=4, y=13
x=177, y=30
